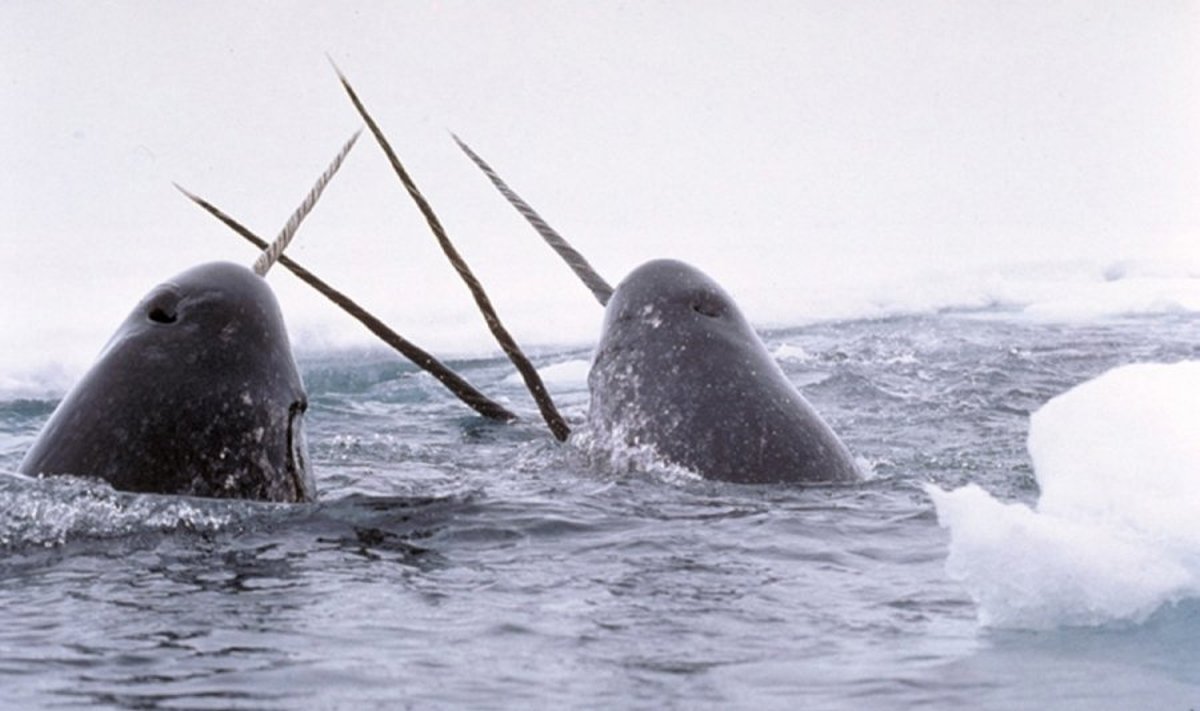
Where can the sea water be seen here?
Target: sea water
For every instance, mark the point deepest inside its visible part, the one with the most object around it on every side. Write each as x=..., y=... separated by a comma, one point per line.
x=457, y=563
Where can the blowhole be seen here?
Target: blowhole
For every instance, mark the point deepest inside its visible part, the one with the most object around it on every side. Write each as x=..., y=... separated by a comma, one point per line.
x=706, y=308
x=160, y=315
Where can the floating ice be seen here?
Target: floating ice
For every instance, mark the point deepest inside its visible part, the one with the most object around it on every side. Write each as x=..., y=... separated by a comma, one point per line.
x=1116, y=531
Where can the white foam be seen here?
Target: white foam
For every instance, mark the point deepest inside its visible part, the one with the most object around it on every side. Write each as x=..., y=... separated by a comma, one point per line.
x=1115, y=534
x=788, y=352
x=570, y=374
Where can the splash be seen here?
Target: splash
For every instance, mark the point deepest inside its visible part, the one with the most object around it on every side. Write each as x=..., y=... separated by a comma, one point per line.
x=617, y=452
x=51, y=511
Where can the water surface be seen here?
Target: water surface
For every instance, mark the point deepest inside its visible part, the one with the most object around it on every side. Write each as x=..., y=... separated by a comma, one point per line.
x=457, y=563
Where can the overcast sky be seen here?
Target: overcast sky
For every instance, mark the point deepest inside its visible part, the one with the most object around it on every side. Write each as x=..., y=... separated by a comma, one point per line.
x=784, y=147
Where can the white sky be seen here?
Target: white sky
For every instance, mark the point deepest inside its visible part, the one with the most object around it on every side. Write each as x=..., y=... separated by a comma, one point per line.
x=787, y=148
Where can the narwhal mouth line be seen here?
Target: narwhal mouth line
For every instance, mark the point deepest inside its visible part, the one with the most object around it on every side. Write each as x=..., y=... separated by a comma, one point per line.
x=297, y=466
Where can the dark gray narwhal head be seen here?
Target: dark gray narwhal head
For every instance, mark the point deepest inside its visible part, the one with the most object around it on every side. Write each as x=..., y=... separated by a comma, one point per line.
x=197, y=394
x=679, y=369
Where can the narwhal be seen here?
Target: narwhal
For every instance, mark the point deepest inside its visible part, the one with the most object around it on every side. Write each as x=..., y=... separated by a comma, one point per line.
x=679, y=369
x=197, y=393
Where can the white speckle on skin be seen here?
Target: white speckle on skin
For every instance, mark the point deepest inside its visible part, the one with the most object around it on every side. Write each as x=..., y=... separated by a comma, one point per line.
x=651, y=318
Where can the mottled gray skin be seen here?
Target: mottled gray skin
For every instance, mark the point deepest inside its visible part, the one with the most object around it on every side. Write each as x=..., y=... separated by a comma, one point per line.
x=678, y=368
x=196, y=394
